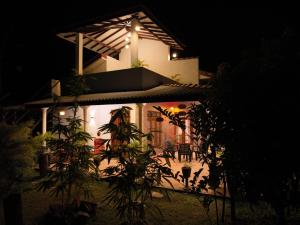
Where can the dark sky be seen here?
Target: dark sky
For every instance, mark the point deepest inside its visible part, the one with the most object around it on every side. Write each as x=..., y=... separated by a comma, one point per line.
x=30, y=51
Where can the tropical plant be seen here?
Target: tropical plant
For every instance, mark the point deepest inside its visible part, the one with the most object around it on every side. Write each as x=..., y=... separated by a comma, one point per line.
x=139, y=63
x=137, y=173
x=70, y=177
x=176, y=77
x=16, y=161
x=205, y=129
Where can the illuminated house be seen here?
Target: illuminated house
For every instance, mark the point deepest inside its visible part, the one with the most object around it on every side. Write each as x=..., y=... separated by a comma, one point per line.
x=137, y=66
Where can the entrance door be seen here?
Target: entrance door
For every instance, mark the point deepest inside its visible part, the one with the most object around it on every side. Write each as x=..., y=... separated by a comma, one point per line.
x=155, y=127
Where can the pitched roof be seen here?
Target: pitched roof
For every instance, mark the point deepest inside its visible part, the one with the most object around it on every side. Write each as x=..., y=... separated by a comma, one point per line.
x=160, y=93
x=106, y=35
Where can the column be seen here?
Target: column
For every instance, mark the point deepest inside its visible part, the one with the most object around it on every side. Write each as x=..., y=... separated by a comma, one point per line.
x=79, y=54
x=85, y=117
x=44, y=122
x=134, y=41
x=140, y=116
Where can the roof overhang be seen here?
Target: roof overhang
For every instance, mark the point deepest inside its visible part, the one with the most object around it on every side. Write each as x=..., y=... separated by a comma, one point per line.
x=106, y=35
x=162, y=93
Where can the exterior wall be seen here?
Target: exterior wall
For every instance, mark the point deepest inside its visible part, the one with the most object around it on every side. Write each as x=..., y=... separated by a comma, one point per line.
x=100, y=65
x=114, y=64
x=155, y=55
x=98, y=115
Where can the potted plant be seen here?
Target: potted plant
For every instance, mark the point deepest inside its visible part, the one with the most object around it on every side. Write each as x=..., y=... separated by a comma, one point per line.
x=186, y=173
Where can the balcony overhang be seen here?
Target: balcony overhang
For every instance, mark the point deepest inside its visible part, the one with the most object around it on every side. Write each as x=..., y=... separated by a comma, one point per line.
x=162, y=93
x=133, y=79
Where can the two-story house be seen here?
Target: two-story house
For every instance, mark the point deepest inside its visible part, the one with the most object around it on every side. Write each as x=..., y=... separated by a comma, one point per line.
x=138, y=66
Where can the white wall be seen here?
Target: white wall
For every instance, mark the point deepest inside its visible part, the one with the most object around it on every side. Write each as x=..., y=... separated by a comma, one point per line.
x=98, y=115
x=156, y=55
x=98, y=66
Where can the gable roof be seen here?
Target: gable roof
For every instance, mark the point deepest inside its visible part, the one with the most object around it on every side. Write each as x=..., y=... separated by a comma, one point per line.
x=106, y=35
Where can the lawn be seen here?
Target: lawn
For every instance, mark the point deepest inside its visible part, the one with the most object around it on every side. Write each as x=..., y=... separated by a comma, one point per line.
x=183, y=209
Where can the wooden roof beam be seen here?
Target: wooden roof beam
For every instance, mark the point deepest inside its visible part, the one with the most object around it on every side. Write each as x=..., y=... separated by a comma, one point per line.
x=112, y=47
x=89, y=41
x=99, y=42
x=153, y=33
x=93, y=28
x=115, y=39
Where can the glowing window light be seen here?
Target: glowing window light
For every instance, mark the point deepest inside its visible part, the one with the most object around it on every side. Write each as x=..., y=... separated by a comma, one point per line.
x=174, y=55
x=62, y=113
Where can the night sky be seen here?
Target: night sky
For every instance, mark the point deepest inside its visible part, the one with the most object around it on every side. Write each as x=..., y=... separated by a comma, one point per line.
x=30, y=51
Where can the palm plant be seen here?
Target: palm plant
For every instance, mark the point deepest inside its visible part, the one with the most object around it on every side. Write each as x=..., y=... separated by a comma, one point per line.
x=137, y=172
x=70, y=176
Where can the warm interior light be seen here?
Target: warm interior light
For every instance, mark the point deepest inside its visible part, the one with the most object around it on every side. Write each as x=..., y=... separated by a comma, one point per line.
x=127, y=39
x=172, y=108
x=92, y=114
x=62, y=113
x=129, y=35
x=137, y=28
x=174, y=55
x=126, y=46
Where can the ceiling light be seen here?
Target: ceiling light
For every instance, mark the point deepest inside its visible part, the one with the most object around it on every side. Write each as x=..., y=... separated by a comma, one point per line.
x=129, y=35
x=137, y=28
x=127, y=39
x=174, y=55
x=126, y=46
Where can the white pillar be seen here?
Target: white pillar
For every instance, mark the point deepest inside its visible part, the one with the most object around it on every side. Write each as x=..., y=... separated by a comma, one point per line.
x=85, y=117
x=79, y=54
x=44, y=122
x=140, y=116
x=134, y=41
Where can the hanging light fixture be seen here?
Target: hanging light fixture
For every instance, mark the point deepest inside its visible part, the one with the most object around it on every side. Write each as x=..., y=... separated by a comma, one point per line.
x=159, y=119
x=181, y=106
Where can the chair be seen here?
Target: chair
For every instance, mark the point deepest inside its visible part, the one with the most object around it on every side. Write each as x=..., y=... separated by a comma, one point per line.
x=185, y=150
x=198, y=150
x=170, y=149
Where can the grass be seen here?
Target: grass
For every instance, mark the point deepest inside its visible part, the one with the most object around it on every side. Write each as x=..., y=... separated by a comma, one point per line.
x=183, y=209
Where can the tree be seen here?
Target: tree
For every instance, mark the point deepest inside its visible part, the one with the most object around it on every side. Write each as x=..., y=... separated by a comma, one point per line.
x=137, y=172
x=16, y=160
x=71, y=175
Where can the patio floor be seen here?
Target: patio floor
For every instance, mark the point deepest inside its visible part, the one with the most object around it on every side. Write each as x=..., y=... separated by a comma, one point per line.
x=175, y=166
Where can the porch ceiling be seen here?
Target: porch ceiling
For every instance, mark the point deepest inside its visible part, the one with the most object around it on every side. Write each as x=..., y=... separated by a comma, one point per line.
x=106, y=36
x=162, y=93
